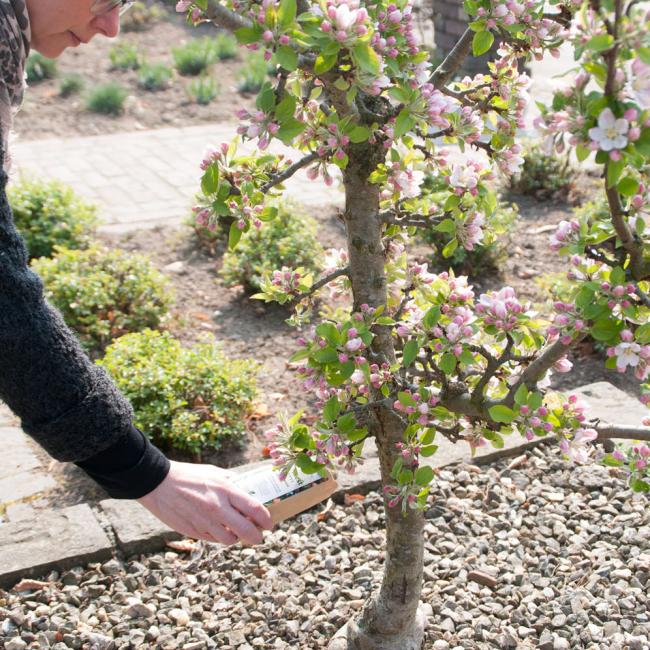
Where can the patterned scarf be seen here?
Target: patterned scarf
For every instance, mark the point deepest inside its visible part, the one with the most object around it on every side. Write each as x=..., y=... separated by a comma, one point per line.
x=14, y=48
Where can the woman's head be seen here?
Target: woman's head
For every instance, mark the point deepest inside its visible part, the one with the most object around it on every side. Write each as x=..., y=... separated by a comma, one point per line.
x=58, y=24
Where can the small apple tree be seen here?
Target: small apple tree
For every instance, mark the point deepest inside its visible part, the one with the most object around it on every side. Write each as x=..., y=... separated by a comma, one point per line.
x=418, y=355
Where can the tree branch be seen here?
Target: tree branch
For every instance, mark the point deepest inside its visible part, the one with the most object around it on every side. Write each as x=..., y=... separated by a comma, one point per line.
x=623, y=432
x=533, y=373
x=289, y=172
x=222, y=17
x=321, y=283
x=453, y=61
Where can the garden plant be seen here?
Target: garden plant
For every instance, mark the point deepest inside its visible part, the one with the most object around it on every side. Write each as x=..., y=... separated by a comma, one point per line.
x=418, y=356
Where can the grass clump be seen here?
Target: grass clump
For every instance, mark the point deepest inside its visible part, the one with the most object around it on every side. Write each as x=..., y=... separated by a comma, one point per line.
x=107, y=99
x=195, y=56
x=125, y=56
x=253, y=73
x=38, y=68
x=154, y=76
x=71, y=84
x=203, y=89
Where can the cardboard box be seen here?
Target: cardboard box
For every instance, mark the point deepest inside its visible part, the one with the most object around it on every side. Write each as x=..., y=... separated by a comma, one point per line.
x=287, y=498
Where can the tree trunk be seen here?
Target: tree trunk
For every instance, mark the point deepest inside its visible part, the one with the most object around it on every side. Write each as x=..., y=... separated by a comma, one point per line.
x=391, y=619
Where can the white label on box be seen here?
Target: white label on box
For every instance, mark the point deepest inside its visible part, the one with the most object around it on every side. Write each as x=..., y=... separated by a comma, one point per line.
x=264, y=484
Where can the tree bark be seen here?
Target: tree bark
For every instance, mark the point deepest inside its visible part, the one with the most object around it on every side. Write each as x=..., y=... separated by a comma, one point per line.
x=391, y=619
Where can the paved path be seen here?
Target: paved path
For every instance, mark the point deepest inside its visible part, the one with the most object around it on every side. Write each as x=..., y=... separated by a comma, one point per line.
x=146, y=178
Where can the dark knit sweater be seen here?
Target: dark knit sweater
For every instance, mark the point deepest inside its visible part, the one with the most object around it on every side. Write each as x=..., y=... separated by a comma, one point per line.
x=65, y=402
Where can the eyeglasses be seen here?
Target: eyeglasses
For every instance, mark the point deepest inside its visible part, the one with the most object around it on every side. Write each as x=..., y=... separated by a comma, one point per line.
x=102, y=7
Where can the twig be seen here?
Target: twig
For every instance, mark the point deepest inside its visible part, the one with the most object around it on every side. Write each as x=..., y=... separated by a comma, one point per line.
x=289, y=172
x=645, y=298
x=492, y=366
x=453, y=60
x=320, y=284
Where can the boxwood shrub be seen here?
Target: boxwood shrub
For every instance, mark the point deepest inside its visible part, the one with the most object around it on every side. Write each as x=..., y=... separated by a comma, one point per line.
x=103, y=294
x=185, y=398
x=49, y=214
x=289, y=240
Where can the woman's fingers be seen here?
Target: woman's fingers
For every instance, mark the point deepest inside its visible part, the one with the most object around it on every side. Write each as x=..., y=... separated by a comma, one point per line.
x=218, y=533
x=252, y=509
x=240, y=526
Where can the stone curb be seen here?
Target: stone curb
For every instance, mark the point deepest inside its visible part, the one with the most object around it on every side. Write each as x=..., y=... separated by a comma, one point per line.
x=73, y=535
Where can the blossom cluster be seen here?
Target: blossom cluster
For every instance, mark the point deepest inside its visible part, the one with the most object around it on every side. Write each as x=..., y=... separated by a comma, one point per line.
x=500, y=308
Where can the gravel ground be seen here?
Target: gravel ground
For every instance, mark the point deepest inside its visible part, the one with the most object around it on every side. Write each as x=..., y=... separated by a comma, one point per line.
x=524, y=554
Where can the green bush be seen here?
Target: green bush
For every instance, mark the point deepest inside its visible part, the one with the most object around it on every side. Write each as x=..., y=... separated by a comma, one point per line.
x=141, y=16
x=195, y=56
x=252, y=73
x=485, y=257
x=104, y=294
x=189, y=399
x=203, y=89
x=125, y=56
x=154, y=76
x=542, y=174
x=71, y=84
x=38, y=68
x=225, y=46
x=289, y=240
x=49, y=214
x=107, y=99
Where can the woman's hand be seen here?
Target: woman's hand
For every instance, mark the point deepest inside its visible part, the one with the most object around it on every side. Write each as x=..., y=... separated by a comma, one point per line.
x=201, y=502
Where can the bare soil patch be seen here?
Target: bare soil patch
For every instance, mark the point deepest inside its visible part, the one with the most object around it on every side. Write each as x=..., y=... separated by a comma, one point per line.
x=45, y=114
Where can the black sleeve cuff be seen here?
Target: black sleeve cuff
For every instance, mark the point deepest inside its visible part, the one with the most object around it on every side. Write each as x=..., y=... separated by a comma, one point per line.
x=130, y=468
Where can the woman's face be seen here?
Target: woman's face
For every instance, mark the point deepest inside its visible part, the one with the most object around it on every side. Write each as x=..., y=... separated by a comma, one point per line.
x=58, y=24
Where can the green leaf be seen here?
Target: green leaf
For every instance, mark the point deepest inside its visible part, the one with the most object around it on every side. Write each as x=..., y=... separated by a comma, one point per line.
x=627, y=186
x=397, y=467
x=482, y=42
x=359, y=134
x=642, y=334
x=403, y=123
x=644, y=54
x=610, y=461
x=346, y=423
x=286, y=13
x=617, y=276
x=324, y=62
x=290, y=130
x=366, y=58
x=428, y=450
x=300, y=438
x=535, y=400
x=331, y=409
x=424, y=475
x=521, y=396
x=450, y=248
x=582, y=152
x=210, y=180
x=642, y=145
x=606, y=330
x=234, y=236
x=307, y=465
x=638, y=485
x=410, y=352
x=501, y=413
x=247, y=35
x=428, y=437
x=330, y=333
x=405, y=477
x=432, y=317
x=600, y=42
x=266, y=98
x=447, y=225
x=614, y=171
x=385, y=320
x=405, y=399
x=287, y=57
x=448, y=363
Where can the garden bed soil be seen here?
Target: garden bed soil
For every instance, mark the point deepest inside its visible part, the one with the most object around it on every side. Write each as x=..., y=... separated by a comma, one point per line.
x=250, y=328
x=45, y=114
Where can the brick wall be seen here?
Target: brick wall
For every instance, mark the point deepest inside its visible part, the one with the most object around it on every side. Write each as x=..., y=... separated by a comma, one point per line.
x=450, y=21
